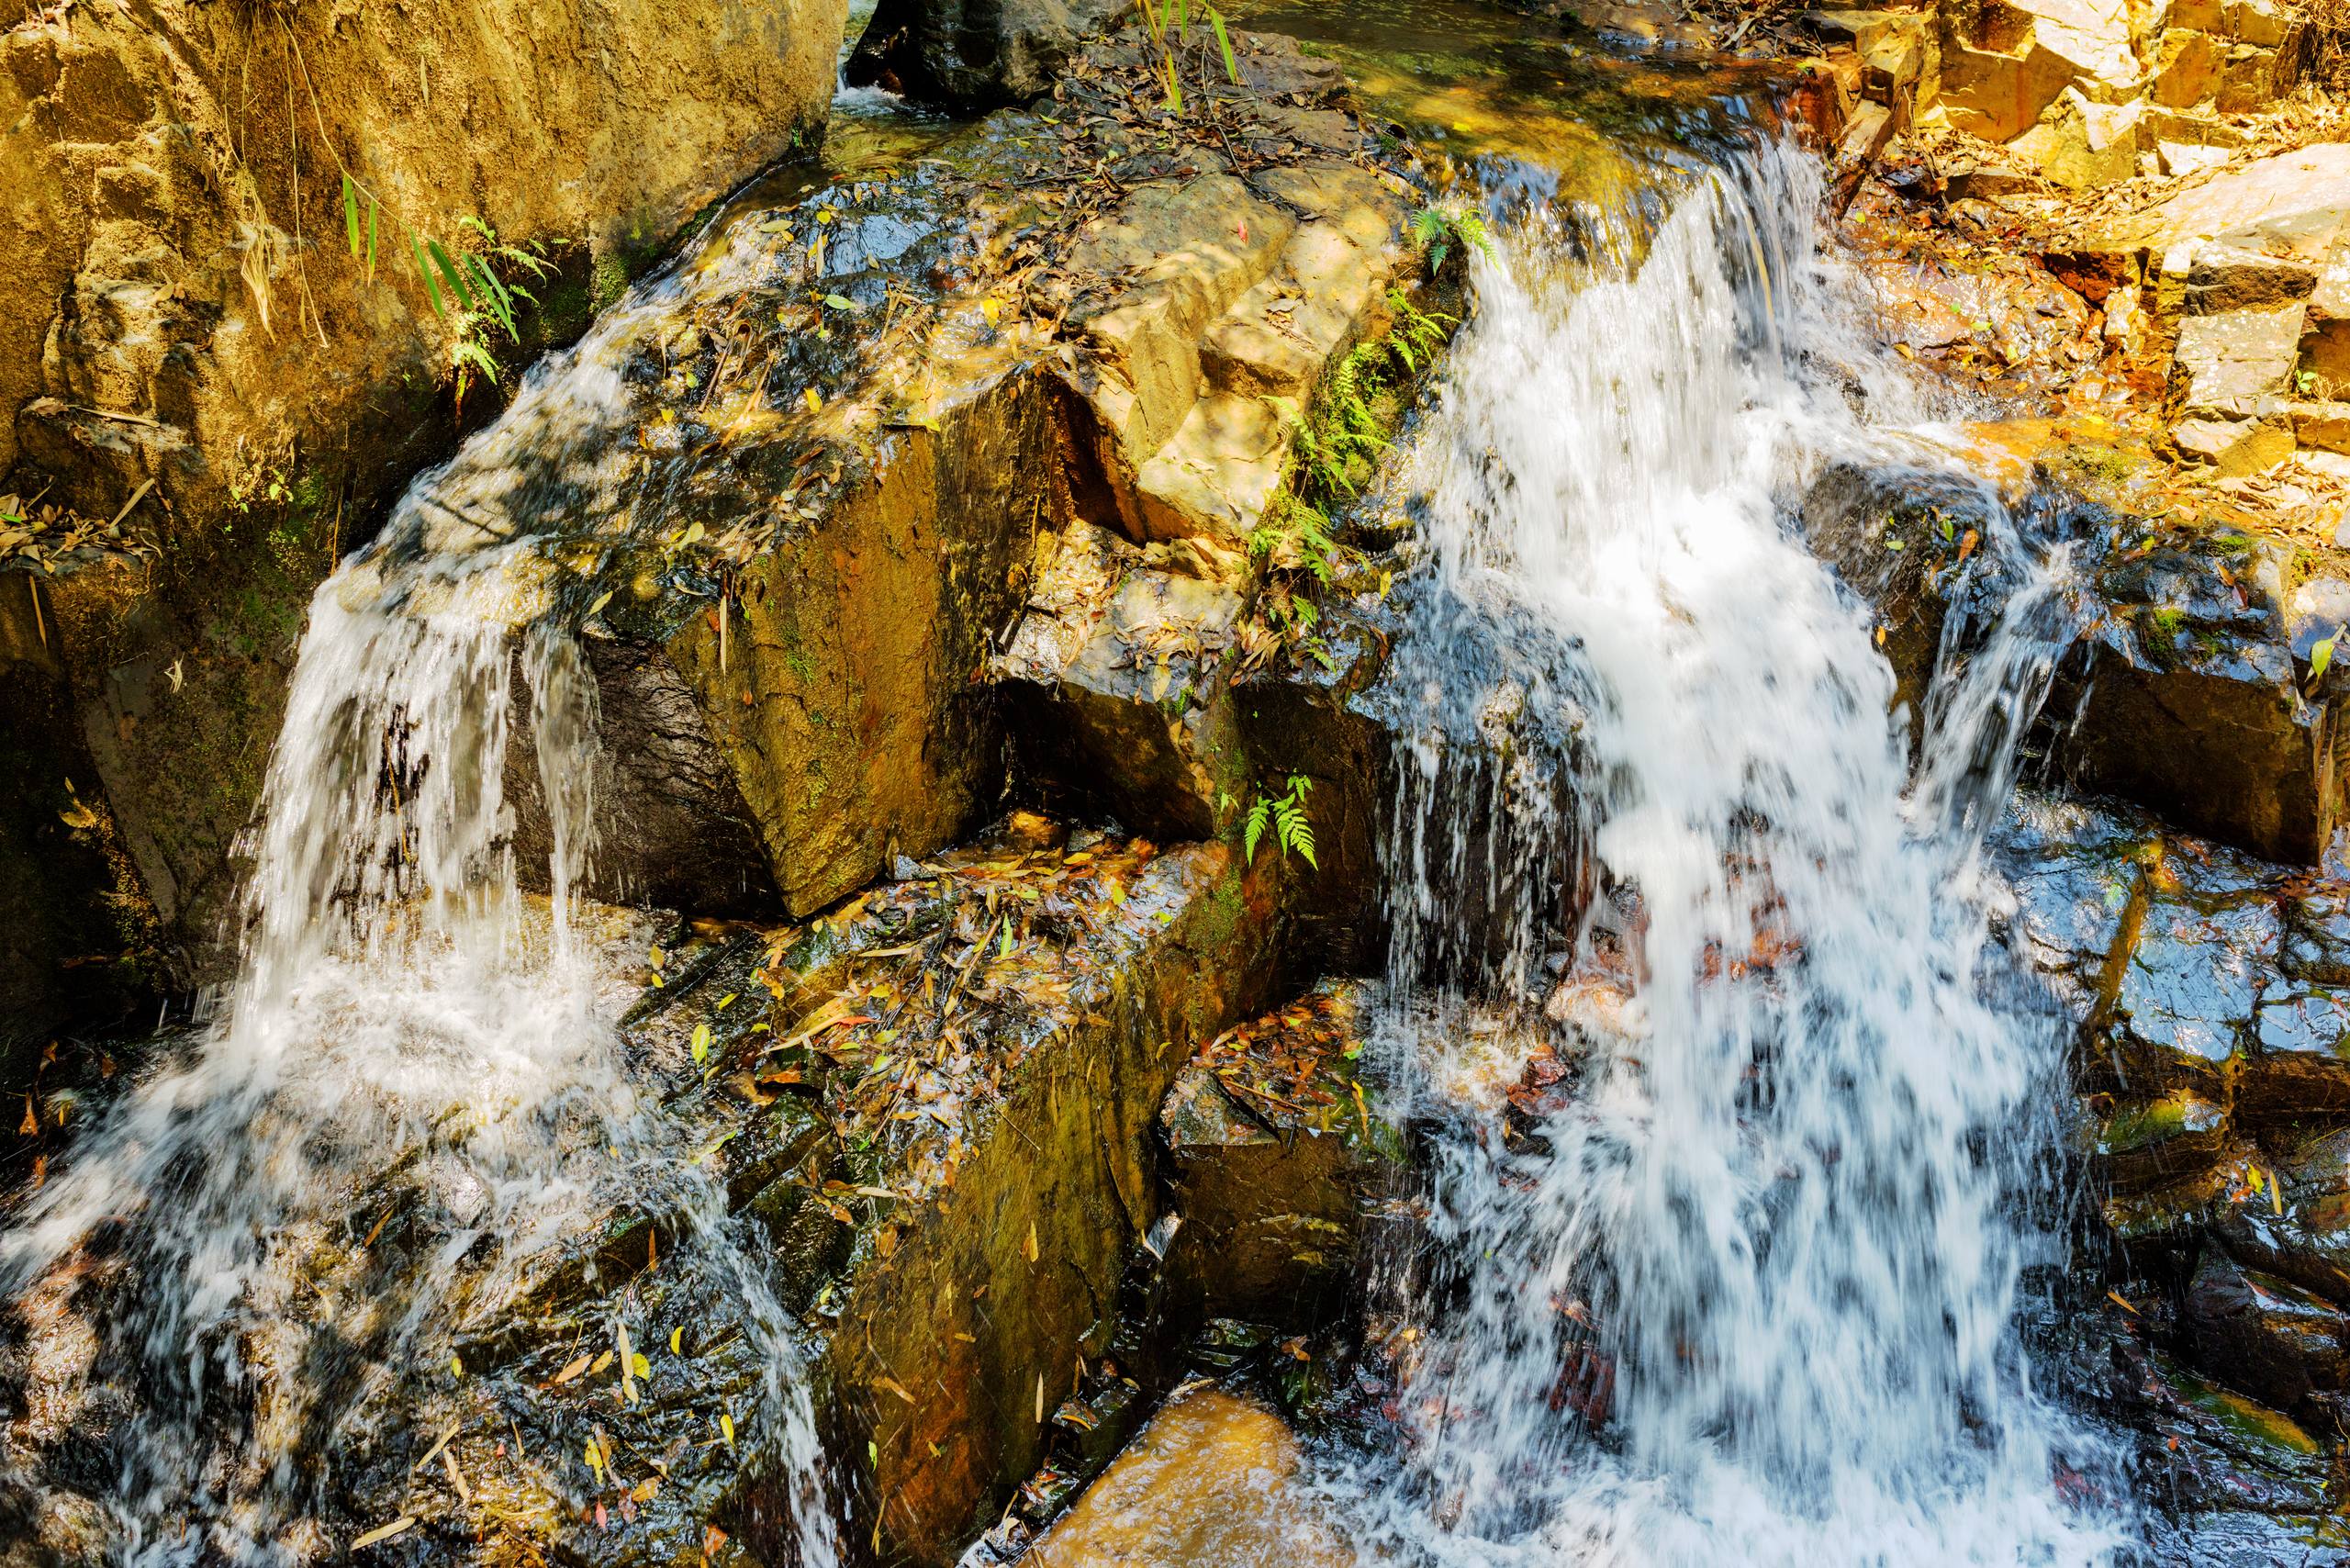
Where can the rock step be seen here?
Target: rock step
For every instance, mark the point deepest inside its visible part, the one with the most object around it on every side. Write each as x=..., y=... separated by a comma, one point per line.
x=936, y=1106
x=1210, y=1482
x=2216, y=1063
x=2186, y=690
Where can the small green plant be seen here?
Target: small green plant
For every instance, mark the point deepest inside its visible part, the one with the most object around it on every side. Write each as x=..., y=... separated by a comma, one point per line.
x=1295, y=536
x=1439, y=231
x=1285, y=814
x=1340, y=426
x=472, y=283
x=1418, y=333
x=1344, y=422
x=1169, y=25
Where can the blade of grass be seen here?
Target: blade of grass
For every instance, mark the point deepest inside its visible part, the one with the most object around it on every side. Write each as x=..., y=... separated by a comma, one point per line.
x=449, y=271
x=424, y=270
x=1223, y=43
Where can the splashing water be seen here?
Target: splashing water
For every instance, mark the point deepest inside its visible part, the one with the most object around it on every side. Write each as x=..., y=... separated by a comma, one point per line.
x=410, y=1038
x=1749, y=1296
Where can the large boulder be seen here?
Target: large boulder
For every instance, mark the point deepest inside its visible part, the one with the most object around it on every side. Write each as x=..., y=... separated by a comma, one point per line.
x=820, y=570
x=191, y=350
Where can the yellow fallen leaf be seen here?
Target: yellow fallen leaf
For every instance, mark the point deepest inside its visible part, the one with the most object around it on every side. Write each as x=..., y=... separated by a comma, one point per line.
x=2115, y=1297
x=814, y=400
x=571, y=1369
x=726, y=1428
x=991, y=307
x=385, y=1532
x=596, y=1368
x=434, y=1449
x=675, y=1335
x=1030, y=1245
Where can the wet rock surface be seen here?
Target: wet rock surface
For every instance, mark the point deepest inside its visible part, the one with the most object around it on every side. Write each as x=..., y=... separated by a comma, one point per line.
x=1016, y=511
x=2185, y=687
x=213, y=401
x=1277, y=1153
x=2215, y=1143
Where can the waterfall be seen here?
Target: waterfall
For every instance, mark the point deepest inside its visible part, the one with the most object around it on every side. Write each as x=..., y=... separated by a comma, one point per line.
x=410, y=1038
x=1750, y=1293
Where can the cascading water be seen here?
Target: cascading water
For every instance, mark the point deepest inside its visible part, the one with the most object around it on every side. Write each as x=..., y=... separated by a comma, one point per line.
x=1750, y=1295
x=411, y=1040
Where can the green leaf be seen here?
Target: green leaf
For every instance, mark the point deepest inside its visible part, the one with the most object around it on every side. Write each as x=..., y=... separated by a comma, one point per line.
x=424, y=270
x=840, y=302
x=492, y=293
x=449, y=271
x=2322, y=655
x=1003, y=947
x=1223, y=43
x=1174, y=88
x=701, y=1043
x=1254, y=827
x=470, y=355
x=350, y=214
x=372, y=208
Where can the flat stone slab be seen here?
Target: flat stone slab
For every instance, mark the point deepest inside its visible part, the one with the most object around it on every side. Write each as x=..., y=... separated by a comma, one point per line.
x=2226, y=364
x=1210, y=1482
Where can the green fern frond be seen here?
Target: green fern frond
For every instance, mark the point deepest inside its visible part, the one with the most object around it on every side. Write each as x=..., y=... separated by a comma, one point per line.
x=1253, y=828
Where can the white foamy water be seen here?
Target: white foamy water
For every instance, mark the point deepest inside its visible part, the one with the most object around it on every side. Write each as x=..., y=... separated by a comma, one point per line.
x=1780, y=1210
x=411, y=1039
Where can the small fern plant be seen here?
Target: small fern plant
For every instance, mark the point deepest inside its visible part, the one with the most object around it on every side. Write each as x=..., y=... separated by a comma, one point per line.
x=1418, y=333
x=1440, y=231
x=1296, y=536
x=1285, y=814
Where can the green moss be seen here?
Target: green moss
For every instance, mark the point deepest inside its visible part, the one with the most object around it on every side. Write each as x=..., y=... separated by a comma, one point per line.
x=2252, y=1422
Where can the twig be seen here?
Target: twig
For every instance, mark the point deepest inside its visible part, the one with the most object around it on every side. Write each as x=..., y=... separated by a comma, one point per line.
x=136, y=497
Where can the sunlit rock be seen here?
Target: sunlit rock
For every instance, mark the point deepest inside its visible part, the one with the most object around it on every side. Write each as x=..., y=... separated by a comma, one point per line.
x=1210, y=1482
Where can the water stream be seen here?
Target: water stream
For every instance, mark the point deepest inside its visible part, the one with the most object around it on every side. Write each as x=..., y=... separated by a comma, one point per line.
x=1751, y=1293
x=414, y=1093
